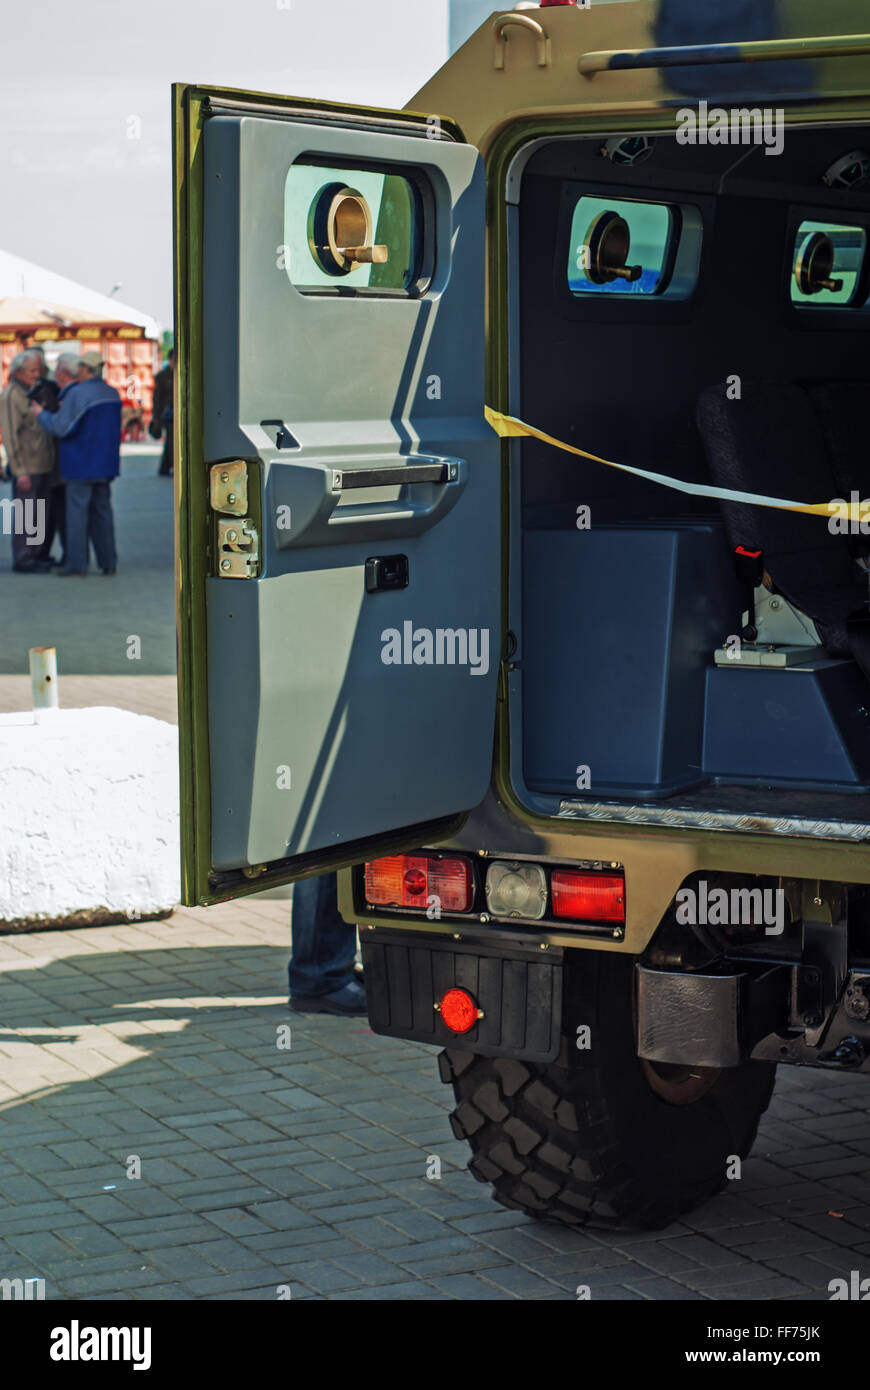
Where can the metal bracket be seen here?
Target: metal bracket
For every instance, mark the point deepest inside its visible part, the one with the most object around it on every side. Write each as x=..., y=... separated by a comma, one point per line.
x=825, y=948
x=254, y=870
x=228, y=487
x=707, y=1020
x=238, y=549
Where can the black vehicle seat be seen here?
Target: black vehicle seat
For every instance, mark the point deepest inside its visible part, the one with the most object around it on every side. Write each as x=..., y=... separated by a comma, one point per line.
x=844, y=410
x=771, y=442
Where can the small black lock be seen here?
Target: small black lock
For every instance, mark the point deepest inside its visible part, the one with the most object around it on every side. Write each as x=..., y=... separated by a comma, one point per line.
x=386, y=572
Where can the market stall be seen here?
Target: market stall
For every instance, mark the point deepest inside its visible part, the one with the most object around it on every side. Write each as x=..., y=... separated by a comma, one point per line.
x=41, y=308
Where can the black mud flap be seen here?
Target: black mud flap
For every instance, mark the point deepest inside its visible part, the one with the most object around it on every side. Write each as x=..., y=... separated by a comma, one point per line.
x=519, y=992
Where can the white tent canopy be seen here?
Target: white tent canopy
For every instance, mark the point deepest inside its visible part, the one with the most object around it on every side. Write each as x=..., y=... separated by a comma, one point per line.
x=22, y=278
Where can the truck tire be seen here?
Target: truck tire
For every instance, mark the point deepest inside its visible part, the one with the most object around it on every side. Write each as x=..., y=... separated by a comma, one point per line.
x=599, y=1137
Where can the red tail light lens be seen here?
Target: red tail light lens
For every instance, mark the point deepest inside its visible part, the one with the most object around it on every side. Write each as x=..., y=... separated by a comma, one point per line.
x=410, y=880
x=588, y=897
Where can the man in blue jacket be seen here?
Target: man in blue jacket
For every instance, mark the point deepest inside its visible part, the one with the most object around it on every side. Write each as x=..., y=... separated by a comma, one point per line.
x=87, y=426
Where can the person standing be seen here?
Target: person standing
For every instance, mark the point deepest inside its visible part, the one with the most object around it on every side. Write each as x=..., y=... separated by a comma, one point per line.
x=162, y=413
x=31, y=460
x=321, y=973
x=87, y=425
x=47, y=392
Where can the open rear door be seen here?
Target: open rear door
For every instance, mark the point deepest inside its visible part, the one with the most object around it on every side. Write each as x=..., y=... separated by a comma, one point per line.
x=337, y=487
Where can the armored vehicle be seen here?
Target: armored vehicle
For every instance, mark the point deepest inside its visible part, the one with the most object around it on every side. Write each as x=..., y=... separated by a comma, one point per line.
x=522, y=575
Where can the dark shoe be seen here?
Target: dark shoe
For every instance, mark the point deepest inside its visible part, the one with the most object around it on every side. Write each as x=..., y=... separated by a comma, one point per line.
x=114, y=571
x=350, y=1001
x=36, y=567
x=66, y=574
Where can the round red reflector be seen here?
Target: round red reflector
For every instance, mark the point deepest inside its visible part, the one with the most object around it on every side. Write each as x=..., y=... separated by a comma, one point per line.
x=415, y=882
x=458, y=1010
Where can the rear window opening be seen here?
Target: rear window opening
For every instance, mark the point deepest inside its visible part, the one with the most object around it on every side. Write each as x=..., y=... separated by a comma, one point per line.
x=707, y=321
x=620, y=247
x=355, y=229
x=828, y=263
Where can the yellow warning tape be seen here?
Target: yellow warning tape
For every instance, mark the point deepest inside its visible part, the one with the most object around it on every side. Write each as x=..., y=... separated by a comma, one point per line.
x=508, y=427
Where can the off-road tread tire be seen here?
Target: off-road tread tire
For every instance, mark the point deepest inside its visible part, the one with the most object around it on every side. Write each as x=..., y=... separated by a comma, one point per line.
x=585, y=1140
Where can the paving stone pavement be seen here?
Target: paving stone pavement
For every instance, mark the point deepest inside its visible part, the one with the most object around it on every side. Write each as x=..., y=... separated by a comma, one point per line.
x=266, y=1170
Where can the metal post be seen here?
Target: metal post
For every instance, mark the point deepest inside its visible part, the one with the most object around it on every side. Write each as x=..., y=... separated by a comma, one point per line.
x=43, y=677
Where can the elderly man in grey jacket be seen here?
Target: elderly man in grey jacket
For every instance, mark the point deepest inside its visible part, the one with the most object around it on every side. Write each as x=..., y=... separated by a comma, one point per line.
x=30, y=454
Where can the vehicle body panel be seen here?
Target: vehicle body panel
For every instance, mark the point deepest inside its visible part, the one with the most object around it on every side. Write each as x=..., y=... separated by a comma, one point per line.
x=506, y=89
x=282, y=674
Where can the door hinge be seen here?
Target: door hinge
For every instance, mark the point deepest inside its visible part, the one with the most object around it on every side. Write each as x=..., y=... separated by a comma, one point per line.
x=238, y=549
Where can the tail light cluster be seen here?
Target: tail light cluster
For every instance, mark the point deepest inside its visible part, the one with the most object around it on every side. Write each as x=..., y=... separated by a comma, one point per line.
x=523, y=890
x=412, y=880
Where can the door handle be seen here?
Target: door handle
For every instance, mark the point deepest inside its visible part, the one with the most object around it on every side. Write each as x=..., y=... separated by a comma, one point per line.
x=314, y=503
x=521, y=21
x=389, y=476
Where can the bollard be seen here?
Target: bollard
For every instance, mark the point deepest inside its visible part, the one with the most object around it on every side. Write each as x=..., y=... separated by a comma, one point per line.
x=43, y=677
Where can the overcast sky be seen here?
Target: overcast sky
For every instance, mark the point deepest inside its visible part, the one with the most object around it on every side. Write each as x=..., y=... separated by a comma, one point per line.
x=82, y=198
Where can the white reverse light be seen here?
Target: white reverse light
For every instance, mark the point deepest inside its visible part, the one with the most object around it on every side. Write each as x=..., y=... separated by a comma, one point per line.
x=516, y=890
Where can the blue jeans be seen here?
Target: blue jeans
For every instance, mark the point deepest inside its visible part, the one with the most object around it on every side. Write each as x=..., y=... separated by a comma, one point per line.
x=89, y=518
x=323, y=944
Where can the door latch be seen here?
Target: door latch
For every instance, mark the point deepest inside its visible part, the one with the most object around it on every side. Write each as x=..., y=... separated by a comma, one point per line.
x=228, y=487
x=238, y=549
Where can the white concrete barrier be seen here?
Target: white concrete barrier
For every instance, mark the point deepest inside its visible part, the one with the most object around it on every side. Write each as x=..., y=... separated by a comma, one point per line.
x=89, y=817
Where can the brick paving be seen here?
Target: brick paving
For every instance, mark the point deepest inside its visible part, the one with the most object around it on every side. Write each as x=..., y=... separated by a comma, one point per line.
x=266, y=1170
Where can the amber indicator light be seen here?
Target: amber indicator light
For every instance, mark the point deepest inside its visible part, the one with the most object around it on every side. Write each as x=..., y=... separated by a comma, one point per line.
x=412, y=880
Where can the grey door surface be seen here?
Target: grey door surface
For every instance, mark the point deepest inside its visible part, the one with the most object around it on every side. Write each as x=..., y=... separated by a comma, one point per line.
x=352, y=661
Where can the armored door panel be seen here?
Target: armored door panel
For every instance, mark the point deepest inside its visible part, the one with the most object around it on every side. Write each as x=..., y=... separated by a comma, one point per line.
x=339, y=547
